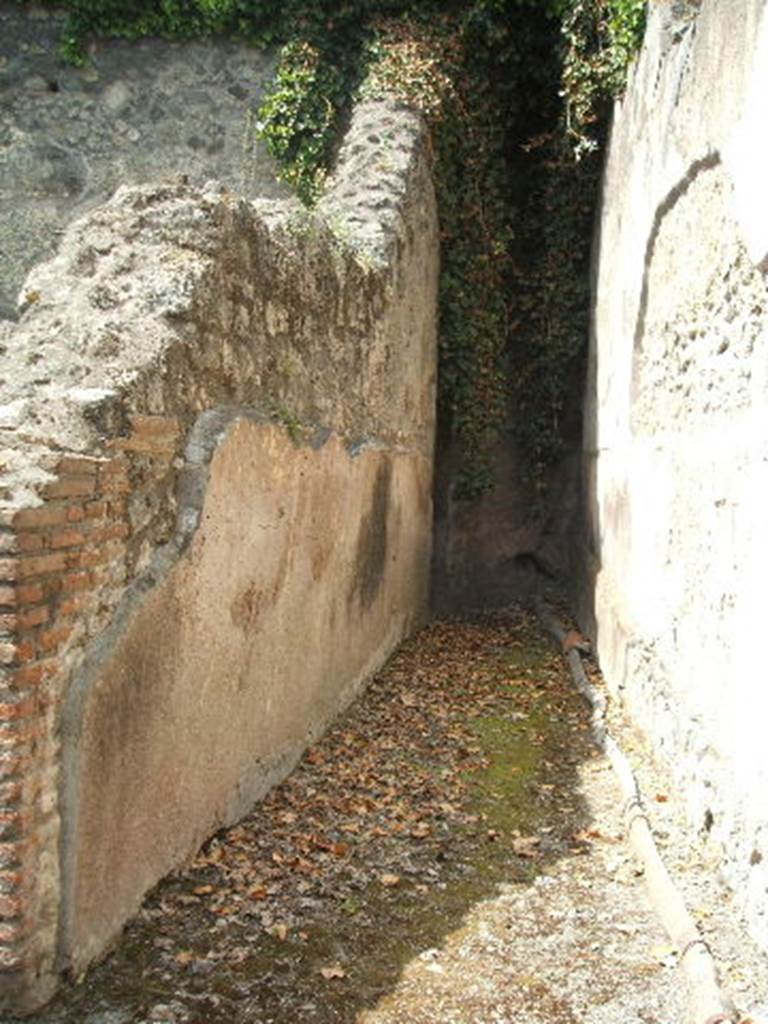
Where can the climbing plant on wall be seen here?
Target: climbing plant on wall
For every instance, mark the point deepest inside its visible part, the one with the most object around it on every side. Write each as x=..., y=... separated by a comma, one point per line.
x=514, y=94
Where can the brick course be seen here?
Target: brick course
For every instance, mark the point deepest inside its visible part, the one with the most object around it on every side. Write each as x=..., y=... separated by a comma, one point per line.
x=58, y=562
x=48, y=581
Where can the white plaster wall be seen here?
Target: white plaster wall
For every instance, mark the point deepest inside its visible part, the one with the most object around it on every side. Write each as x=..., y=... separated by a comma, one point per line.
x=678, y=419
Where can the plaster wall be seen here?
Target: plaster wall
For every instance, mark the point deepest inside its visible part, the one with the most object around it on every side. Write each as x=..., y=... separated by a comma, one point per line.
x=676, y=465
x=216, y=441
x=307, y=567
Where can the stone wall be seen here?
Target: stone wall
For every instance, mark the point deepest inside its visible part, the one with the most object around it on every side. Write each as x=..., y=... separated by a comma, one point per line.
x=677, y=421
x=516, y=542
x=135, y=112
x=216, y=438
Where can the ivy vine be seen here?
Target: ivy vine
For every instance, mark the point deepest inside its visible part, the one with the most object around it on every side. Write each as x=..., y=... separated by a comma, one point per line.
x=514, y=93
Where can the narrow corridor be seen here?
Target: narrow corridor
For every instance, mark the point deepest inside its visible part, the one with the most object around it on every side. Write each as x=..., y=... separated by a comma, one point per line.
x=450, y=851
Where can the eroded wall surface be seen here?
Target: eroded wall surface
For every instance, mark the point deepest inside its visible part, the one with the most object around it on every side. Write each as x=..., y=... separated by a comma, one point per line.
x=217, y=428
x=135, y=112
x=677, y=421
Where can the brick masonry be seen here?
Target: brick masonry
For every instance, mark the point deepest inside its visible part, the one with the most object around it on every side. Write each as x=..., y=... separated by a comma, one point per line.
x=63, y=570
x=227, y=324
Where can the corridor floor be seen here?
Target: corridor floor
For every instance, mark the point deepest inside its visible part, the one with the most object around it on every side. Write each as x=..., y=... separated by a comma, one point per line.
x=451, y=851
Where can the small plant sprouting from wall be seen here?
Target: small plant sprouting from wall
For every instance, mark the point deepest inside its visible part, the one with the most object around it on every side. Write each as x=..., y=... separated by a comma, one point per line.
x=514, y=93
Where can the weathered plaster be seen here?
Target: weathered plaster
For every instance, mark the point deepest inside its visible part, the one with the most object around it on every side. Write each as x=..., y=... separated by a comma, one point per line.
x=306, y=567
x=677, y=433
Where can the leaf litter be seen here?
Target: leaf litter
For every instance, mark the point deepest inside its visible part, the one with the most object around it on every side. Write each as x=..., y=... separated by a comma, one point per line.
x=452, y=788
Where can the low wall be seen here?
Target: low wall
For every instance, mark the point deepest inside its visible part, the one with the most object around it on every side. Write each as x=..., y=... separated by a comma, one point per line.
x=677, y=422
x=216, y=429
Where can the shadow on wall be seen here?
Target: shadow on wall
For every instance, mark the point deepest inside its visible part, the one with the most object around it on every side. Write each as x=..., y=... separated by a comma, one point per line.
x=586, y=548
x=512, y=544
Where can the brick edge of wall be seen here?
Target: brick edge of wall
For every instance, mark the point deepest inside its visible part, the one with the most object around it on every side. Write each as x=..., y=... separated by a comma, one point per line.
x=62, y=562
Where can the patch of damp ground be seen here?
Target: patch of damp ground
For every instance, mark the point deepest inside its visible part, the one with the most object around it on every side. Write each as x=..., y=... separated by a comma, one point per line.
x=449, y=851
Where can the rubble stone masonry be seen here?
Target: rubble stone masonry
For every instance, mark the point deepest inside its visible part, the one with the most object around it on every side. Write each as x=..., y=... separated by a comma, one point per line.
x=216, y=434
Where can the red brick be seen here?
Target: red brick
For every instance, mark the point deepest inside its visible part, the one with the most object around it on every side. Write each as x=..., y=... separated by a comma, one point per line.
x=21, y=730
x=71, y=487
x=29, y=593
x=159, y=446
x=39, y=565
x=75, y=513
x=154, y=426
x=52, y=639
x=23, y=709
x=8, y=596
x=115, y=485
x=8, y=622
x=42, y=516
x=118, y=531
x=117, y=465
x=33, y=617
x=78, y=465
x=87, y=558
x=31, y=542
x=67, y=538
x=25, y=651
x=9, y=651
x=74, y=581
x=95, y=509
x=73, y=605
x=33, y=675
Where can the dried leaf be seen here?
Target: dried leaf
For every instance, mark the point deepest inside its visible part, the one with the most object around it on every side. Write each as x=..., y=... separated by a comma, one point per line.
x=526, y=846
x=333, y=971
x=389, y=880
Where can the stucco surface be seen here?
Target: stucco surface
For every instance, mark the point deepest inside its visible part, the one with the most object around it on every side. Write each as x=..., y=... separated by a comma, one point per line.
x=677, y=432
x=307, y=566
